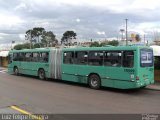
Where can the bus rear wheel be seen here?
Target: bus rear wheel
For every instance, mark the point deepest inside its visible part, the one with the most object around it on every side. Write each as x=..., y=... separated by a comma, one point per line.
x=94, y=81
x=41, y=74
x=16, y=71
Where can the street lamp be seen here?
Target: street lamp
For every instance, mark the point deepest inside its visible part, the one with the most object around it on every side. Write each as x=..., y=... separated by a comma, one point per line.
x=12, y=45
x=122, y=31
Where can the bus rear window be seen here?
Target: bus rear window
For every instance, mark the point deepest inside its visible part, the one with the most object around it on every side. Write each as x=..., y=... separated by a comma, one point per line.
x=146, y=58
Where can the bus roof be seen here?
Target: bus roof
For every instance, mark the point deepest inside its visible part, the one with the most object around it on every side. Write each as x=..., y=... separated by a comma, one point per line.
x=33, y=50
x=84, y=48
x=106, y=48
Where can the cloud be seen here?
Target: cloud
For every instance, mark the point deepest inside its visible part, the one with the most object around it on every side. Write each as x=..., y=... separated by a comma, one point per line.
x=21, y=6
x=1, y=37
x=89, y=18
x=142, y=4
x=78, y=20
x=9, y=20
x=22, y=36
x=101, y=33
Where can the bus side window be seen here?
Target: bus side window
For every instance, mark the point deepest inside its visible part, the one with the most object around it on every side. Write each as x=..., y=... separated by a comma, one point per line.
x=112, y=58
x=21, y=56
x=81, y=57
x=28, y=57
x=35, y=57
x=43, y=57
x=68, y=57
x=10, y=58
x=95, y=58
x=128, y=59
x=15, y=56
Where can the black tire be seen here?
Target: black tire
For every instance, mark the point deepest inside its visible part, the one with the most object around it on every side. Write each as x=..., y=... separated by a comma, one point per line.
x=143, y=87
x=94, y=81
x=41, y=74
x=16, y=71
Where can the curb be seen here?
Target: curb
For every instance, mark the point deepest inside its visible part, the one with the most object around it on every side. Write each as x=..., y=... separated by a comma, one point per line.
x=153, y=88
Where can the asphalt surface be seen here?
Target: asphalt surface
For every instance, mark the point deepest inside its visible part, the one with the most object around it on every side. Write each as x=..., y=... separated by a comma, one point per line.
x=57, y=97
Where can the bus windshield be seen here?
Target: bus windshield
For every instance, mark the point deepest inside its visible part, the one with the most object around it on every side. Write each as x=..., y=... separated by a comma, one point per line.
x=146, y=58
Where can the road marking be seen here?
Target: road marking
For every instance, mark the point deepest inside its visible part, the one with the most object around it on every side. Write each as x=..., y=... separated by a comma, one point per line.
x=25, y=112
x=3, y=71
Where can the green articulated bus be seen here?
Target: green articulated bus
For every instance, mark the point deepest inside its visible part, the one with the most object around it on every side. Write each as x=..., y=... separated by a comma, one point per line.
x=123, y=67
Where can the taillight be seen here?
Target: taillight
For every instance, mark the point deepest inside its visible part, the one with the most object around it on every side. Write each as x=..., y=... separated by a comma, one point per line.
x=137, y=77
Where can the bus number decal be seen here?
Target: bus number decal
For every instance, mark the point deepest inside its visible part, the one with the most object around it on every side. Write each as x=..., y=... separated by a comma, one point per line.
x=129, y=70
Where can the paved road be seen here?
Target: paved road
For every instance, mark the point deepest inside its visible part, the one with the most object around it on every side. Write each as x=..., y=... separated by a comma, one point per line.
x=52, y=96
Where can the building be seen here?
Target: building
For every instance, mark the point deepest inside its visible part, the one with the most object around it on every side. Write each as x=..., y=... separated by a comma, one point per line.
x=156, y=52
x=4, y=58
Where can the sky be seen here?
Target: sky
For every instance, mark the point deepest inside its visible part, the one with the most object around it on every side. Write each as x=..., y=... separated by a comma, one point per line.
x=90, y=19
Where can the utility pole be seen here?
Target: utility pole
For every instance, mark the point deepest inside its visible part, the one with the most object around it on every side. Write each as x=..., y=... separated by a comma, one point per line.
x=30, y=39
x=144, y=39
x=126, y=33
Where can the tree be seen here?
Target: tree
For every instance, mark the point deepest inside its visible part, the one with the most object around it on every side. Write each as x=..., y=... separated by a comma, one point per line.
x=95, y=44
x=38, y=31
x=138, y=38
x=49, y=39
x=30, y=35
x=113, y=43
x=23, y=46
x=34, y=34
x=68, y=36
x=37, y=45
x=18, y=47
x=41, y=37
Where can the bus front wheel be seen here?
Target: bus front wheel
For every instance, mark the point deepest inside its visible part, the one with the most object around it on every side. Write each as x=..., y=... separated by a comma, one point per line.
x=94, y=81
x=41, y=74
x=16, y=71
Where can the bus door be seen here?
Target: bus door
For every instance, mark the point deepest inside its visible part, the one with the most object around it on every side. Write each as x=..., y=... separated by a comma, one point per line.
x=82, y=68
x=119, y=67
x=25, y=66
x=89, y=62
x=43, y=62
x=33, y=61
x=10, y=63
x=69, y=71
x=16, y=60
